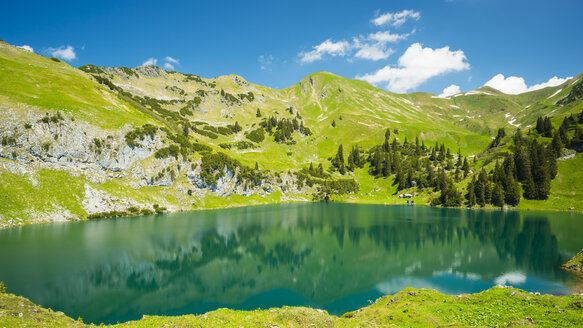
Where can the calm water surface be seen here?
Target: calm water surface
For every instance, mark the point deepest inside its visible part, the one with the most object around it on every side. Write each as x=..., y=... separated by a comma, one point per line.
x=331, y=256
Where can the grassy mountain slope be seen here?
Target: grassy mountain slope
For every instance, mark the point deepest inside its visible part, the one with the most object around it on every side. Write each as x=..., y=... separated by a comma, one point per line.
x=47, y=84
x=103, y=106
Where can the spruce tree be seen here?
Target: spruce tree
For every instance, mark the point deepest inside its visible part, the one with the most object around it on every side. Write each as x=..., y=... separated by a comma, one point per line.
x=480, y=189
x=512, y=192
x=498, y=195
x=522, y=163
x=472, y=193
x=539, y=125
x=401, y=180
x=339, y=160
x=540, y=171
x=377, y=162
x=387, y=134
x=529, y=187
x=459, y=158
x=466, y=167
x=548, y=128
x=320, y=170
x=488, y=192
x=556, y=145
x=386, y=165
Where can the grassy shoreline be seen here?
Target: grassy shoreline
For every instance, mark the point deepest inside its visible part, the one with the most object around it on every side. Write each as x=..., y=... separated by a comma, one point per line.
x=360, y=201
x=411, y=307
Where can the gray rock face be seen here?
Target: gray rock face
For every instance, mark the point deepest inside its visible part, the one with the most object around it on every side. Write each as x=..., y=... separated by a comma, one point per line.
x=33, y=140
x=70, y=144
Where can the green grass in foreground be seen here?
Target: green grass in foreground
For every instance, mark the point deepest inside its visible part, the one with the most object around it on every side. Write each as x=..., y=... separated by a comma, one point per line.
x=496, y=307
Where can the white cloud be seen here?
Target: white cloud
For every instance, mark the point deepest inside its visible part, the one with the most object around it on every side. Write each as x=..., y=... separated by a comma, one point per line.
x=66, y=53
x=386, y=36
x=372, y=47
x=373, y=52
x=396, y=19
x=552, y=82
x=450, y=91
x=150, y=62
x=266, y=62
x=25, y=47
x=514, y=85
x=172, y=60
x=327, y=47
x=418, y=65
x=169, y=66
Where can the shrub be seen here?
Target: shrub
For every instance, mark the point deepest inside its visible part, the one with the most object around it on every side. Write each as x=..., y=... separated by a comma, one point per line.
x=8, y=141
x=170, y=151
x=140, y=133
x=91, y=69
x=257, y=135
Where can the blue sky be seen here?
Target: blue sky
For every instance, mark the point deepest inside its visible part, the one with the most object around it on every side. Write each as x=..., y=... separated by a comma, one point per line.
x=402, y=46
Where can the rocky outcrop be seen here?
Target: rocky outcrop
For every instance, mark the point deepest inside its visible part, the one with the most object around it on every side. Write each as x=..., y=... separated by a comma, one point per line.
x=59, y=141
x=33, y=140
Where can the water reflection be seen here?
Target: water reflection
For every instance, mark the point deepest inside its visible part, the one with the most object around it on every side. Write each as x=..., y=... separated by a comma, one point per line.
x=332, y=256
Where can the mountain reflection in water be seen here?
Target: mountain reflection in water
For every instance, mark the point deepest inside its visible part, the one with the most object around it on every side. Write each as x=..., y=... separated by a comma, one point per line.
x=330, y=256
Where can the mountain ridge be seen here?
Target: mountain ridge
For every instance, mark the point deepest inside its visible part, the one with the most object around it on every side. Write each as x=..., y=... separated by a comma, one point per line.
x=145, y=136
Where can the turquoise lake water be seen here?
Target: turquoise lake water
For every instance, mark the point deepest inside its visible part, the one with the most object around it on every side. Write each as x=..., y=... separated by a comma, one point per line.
x=332, y=256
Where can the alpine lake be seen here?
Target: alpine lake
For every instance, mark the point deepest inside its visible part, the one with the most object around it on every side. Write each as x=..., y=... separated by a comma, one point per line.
x=331, y=256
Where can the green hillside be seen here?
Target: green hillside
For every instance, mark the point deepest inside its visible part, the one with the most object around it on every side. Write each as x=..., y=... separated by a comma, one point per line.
x=92, y=142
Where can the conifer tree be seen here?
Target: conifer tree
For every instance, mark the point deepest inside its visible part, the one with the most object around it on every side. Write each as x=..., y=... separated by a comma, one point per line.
x=459, y=158
x=498, y=195
x=433, y=155
x=401, y=180
x=472, y=192
x=548, y=127
x=466, y=167
x=356, y=156
x=512, y=192
x=540, y=125
x=320, y=170
x=387, y=165
x=387, y=134
x=377, y=162
x=480, y=189
x=540, y=171
x=339, y=160
x=522, y=163
x=488, y=192
x=441, y=154
x=529, y=187
x=556, y=145
x=258, y=114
